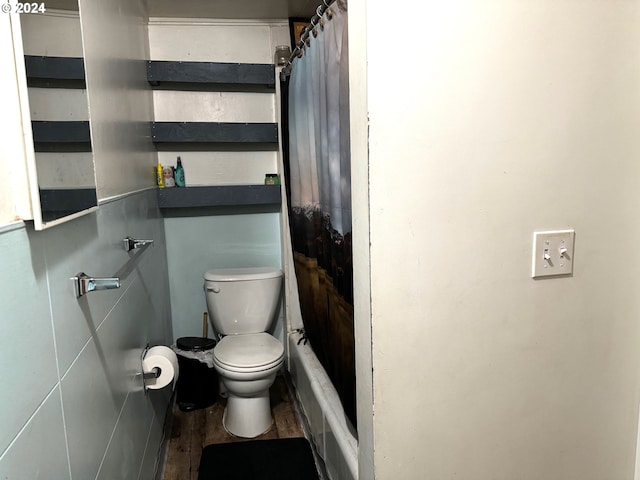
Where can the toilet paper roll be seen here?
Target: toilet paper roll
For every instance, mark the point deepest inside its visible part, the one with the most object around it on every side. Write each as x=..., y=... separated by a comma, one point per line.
x=166, y=360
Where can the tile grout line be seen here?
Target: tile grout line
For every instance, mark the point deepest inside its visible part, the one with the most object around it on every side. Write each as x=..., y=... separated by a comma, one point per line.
x=22, y=429
x=96, y=330
x=58, y=384
x=124, y=403
x=60, y=378
x=113, y=432
x=146, y=446
x=55, y=349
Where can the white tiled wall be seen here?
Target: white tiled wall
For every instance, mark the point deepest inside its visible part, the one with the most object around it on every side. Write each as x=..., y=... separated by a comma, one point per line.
x=72, y=403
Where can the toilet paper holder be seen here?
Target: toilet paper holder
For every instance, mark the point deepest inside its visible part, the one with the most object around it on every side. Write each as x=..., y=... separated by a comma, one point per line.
x=154, y=373
x=158, y=367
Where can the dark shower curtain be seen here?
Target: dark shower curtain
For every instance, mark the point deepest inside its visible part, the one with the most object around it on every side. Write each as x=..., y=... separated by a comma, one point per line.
x=318, y=179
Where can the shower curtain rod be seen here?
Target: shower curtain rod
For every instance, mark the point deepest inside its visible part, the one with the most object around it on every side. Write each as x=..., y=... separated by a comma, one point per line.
x=298, y=50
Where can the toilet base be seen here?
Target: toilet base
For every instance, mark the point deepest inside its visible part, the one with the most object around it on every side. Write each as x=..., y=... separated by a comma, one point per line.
x=247, y=417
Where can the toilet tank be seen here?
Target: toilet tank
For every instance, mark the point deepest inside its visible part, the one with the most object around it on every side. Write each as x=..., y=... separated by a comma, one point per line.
x=242, y=300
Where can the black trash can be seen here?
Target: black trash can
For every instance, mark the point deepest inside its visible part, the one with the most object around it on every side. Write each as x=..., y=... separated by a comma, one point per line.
x=197, y=385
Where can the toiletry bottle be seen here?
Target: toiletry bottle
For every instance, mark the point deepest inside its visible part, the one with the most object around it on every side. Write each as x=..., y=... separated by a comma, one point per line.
x=271, y=179
x=169, y=178
x=160, y=176
x=180, y=174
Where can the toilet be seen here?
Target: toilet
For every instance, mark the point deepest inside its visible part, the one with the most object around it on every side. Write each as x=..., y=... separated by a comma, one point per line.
x=242, y=303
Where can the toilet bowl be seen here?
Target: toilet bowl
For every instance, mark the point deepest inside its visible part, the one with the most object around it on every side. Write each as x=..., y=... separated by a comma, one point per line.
x=242, y=303
x=248, y=365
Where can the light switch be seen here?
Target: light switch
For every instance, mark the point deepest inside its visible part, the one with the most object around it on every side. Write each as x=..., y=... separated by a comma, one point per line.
x=552, y=253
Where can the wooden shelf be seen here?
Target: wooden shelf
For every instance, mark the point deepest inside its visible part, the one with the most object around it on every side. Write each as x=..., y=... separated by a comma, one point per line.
x=52, y=72
x=182, y=74
x=219, y=195
x=215, y=136
x=259, y=134
x=61, y=136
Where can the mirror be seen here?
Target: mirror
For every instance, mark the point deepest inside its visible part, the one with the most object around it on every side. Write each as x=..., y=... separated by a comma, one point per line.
x=54, y=63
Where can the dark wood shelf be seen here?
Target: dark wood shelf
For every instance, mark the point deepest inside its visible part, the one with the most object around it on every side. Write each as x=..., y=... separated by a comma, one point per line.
x=259, y=134
x=187, y=75
x=219, y=195
x=61, y=136
x=52, y=72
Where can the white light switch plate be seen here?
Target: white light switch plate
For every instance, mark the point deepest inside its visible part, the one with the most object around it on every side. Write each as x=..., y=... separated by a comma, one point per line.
x=552, y=253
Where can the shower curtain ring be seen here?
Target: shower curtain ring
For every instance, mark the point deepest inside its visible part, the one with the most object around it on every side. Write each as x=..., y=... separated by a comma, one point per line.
x=328, y=12
x=320, y=13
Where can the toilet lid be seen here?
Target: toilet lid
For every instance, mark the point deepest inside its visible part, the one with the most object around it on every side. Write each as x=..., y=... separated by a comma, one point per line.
x=249, y=350
x=241, y=274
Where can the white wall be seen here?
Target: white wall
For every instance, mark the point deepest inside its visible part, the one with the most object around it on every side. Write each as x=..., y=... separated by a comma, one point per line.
x=15, y=201
x=359, y=132
x=120, y=100
x=488, y=121
x=56, y=33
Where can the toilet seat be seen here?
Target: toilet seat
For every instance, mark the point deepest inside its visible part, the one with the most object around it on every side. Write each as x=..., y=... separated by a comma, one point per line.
x=252, y=352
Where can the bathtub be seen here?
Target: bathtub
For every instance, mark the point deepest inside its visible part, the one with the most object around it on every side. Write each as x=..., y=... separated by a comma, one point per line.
x=331, y=432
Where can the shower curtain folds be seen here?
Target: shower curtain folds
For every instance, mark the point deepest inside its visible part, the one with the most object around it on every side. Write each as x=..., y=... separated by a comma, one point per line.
x=319, y=192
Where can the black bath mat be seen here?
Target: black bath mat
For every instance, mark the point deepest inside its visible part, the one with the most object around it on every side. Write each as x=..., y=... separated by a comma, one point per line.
x=275, y=459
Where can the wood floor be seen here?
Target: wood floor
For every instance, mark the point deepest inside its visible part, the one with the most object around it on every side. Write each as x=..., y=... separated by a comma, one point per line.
x=191, y=431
